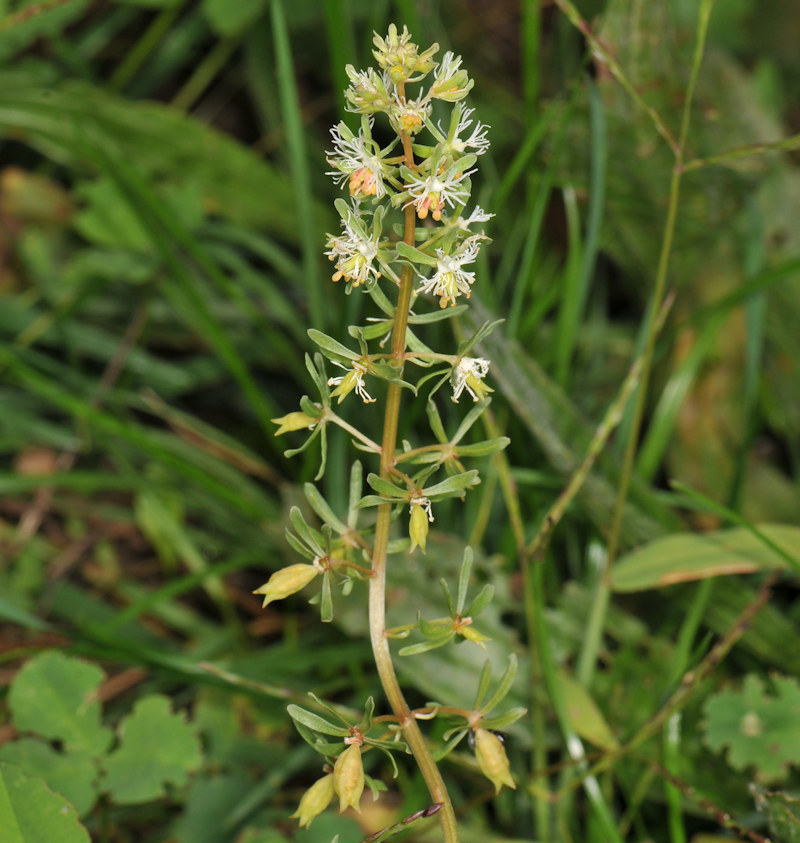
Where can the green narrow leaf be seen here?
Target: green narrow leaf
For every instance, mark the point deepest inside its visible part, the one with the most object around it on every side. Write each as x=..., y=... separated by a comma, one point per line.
x=356, y=485
x=322, y=508
x=505, y=719
x=506, y=681
x=463, y=580
x=315, y=722
x=334, y=348
x=425, y=646
x=483, y=599
x=309, y=535
x=585, y=716
x=485, y=448
x=472, y=416
x=385, y=489
x=435, y=421
x=683, y=557
x=483, y=684
x=415, y=255
x=326, y=599
x=453, y=485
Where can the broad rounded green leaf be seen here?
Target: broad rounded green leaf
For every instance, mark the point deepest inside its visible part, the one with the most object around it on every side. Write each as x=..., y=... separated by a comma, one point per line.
x=157, y=748
x=758, y=728
x=71, y=774
x=683, y=557
x=56, y=696
x=31, y=813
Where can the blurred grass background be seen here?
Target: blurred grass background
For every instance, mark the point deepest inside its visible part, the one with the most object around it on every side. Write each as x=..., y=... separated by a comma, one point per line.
x=163, y=206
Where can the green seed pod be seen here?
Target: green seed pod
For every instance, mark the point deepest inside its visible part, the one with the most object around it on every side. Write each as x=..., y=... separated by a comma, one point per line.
x=294, y=421
x=287, y=581
x=348, y=778
x=492, y=759
x=314, y=801
x=418, y=526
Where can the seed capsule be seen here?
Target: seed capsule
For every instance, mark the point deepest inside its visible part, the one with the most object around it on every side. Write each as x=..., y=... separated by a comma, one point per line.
x=314, y=801
x=348, y=778
x=294, y=421
x=418, y=525
x=287, y=581
x=492, y=759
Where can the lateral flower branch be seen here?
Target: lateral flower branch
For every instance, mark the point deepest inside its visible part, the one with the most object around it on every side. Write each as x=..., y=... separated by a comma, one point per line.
x=407, y=236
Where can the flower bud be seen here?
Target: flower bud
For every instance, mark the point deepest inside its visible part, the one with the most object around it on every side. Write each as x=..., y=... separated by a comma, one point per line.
x=492, y=759
x=294, y=421
x=314, y=801
x=287, y=581
x=348, y=777
x=400, y=57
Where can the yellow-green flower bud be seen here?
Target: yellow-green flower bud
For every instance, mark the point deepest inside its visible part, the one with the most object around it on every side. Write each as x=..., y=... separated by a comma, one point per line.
x=400, y=56
x=314, y=801
x=421, y=516
x=287, y=581
x=492, y=759
x=348, y=778
x=294, y=421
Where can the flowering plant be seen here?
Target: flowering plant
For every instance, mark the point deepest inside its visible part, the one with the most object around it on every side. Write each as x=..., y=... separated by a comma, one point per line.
x=423, y=176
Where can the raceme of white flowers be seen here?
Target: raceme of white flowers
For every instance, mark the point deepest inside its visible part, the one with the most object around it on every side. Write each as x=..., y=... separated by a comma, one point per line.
x=404, y=226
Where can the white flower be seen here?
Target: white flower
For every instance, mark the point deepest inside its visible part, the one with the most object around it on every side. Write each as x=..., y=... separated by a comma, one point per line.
x=448, y=66
x=354, y=379
x=354, y=252
x=357, y=161
x=451, y=83
x=450, y=280
x=430, y=194
x=478, y=215
x=477, y=141
x=469, y=374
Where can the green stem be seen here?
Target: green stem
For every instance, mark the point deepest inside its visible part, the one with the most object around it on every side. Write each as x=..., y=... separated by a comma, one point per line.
x=377, y=584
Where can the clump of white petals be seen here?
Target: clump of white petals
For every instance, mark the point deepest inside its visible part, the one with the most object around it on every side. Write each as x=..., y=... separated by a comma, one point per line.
x=477, y=142
x=468, y=374
x=353, y=379
x=451, y=279
x=478, y=215
x=356, y=162
x=354, y=252
x=430, y=194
